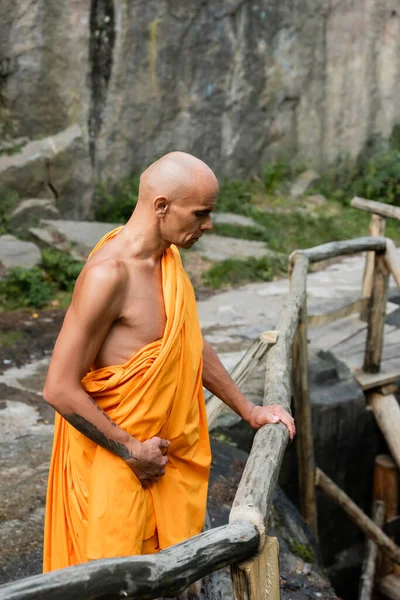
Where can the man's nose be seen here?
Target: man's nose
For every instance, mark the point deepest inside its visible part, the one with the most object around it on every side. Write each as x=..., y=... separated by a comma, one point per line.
x=207, y=225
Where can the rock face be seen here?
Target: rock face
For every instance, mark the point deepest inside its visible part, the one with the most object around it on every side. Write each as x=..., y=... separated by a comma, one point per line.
x=17, y=253
x=235, y=83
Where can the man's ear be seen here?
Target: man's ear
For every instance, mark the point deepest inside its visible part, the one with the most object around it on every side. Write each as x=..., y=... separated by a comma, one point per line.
x=161, y=206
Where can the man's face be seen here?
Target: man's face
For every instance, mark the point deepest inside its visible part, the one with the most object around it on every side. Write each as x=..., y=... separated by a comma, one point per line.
x=188, y=218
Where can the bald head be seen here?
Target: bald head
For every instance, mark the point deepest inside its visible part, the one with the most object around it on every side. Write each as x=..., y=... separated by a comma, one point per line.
x=177, y=176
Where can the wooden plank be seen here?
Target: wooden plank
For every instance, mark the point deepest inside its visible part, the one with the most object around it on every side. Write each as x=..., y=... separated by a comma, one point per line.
x=258, y=578
x=304, y=442
x=343, y=248
x=352, y=351
x=357, y=515
x=379, y=208
x=386, y=489
x=356, y=343
x=368, y=568
x=376, y=316
x=331, y=335
x=390, y=587
x=386, y=411
x=254, y=494
x=167, y=573
x=376, y=228
x=390, y=371
x=244, y=368
x=322, y=317
x=391, y=261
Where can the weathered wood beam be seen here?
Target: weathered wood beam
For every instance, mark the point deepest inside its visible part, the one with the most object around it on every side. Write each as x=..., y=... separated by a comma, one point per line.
x=376, y=228
x=357, y=515
x=345, y=247
x=378, y=208
x=258, y=578
x=244, y=368
x=325, y=318
x=389, y=586
x=376, y=316
x=304, y=438
x=368, y=568
x=254, y=494
x=391, y=261
x=386, y=489
x=386, y=411
x=142, y=577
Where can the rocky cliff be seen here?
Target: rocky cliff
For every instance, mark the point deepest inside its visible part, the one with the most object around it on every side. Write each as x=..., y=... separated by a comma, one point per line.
x=235, y=82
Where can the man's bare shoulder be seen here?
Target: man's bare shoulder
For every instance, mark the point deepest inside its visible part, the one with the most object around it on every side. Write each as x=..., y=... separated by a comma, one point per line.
x=101, y=283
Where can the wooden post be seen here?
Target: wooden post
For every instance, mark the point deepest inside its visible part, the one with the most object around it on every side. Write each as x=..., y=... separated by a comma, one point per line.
x=304, y=439
x=386, y=411
x=386, y=488
x=376, y=316
x=258, y=578
x=368, y=571
x=376, y=228
x=357, y=515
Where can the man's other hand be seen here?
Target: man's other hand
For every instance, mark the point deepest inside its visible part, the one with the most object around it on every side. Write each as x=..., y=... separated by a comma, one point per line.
x=262, y=415
x=150, y=460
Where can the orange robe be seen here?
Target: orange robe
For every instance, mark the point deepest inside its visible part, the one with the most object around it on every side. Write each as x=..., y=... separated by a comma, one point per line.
x=96, y=507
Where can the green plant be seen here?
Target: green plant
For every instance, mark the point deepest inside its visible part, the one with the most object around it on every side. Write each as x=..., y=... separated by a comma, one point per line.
x=236, y=196
x=303, y=551
x=61, y=269
x=115, y=204
x=235, y=271
x=238, y=231
x=276, y=173
x=8, y=201
x=25, y=287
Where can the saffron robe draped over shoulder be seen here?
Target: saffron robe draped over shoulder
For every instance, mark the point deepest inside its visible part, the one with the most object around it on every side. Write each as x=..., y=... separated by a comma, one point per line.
x=96, y=506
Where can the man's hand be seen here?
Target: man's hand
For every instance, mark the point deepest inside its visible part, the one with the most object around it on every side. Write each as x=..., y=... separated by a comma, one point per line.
x=150, y=460
x=262, y=415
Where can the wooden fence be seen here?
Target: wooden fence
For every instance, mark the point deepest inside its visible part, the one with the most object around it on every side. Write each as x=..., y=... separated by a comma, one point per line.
x=243, y=543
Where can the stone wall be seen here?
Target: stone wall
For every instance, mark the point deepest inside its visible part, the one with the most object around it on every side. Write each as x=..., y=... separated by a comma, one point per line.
x=235, y=82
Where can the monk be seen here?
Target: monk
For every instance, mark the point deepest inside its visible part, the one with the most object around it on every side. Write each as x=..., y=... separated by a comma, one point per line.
x=131, y=454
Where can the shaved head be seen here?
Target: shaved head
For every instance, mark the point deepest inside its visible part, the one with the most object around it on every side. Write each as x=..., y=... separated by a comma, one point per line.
x=177, y=176
x=177, y=194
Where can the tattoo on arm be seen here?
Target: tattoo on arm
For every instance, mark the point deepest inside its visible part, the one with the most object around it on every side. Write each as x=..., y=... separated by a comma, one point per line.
x=94, y=434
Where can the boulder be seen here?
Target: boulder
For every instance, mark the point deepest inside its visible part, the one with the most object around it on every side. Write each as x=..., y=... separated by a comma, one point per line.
x=76, y=237
x=17, y=253
x=303, y=183
x=56, y=167
x=30, y=211
x=217, y=248
x=233, y=219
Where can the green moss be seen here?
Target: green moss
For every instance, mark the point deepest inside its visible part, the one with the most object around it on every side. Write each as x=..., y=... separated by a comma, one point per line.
x=303, y=551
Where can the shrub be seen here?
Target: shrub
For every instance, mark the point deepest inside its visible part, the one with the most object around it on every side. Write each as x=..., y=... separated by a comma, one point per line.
x=236, y=271
x=116, y=204
x=61, y=269
x=25, y=287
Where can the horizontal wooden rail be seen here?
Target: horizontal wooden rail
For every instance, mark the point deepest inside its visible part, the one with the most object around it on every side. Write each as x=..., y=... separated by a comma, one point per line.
x=254, y=495
x=378, y=208
x=345, y=247
x=244, y=368
x=167, y=573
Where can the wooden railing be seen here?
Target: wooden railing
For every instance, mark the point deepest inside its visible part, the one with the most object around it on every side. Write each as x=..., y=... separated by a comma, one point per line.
x=242, y=543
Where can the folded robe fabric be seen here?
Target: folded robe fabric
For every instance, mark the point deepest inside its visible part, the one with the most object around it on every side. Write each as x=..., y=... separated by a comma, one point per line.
x=96, y=506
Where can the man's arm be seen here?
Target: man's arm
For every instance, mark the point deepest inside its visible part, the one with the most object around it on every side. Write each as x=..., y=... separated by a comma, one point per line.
x=95, y=305
x=218, y=381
